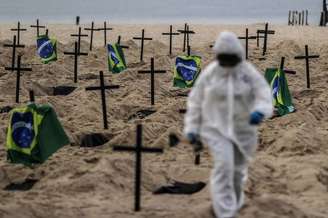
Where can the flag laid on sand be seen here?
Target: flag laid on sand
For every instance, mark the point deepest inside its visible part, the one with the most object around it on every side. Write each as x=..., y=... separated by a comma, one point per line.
x=116, y=60
x=34, y=134
x=282, y=100
x=47, y=49
x=186, y=71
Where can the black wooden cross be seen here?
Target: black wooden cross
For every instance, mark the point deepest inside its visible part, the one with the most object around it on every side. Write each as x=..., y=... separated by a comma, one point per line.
x=79, y=35
x=152, y=72
x=102, y=89
x=266, y=32
x=38, y=27
x=14, y=46
x=92, y=29
x=170, y=34
x=142, y=38
x=32, y=96
x=18, y=30
x=307, y=58
x=186, y=33
x=76, y=54
x=138, y=149
x=247, y=38
x=105, y=28
x=18, y=70
x=119, y=42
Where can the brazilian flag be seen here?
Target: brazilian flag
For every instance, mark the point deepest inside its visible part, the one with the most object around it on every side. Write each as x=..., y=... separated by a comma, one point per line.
x=186, y=71
x=47, y=49
x=116, y=60
x=34, y=134
x=282, y=99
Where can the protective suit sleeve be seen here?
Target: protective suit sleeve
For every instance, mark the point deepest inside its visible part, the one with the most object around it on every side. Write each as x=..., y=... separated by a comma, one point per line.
x=262, y=92
x=192, y=120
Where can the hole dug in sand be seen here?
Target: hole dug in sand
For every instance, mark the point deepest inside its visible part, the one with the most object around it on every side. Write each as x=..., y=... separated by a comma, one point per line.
x=25, y=185
x=5, y=109
x=323, y=177
x=63, y=90
x=92, y=139
x=141, y=114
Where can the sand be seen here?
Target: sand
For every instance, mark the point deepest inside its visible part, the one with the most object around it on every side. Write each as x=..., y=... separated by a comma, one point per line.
x=288, y=178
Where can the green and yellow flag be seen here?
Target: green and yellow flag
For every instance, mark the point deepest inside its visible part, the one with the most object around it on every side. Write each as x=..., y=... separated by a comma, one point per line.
x=282, y=99
x=186, y=71
x=47, y=49
x=116, y=59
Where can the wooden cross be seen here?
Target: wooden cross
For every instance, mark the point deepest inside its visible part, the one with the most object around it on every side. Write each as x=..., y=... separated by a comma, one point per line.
x=247, y=38
x=92, y=29
x=266, y=32
x=186, y=33
x=18, y=70
x=152, y=72
x=170, y=34
x=38, y=27
x=307, y=58
x=142, y=38
x=138, y=149
x=76, y=54
x=102, y=89
x=32, y=96
x=79, y=35
x=119, y=42
x=105, y=32
x=18, y=29
x=14, y=46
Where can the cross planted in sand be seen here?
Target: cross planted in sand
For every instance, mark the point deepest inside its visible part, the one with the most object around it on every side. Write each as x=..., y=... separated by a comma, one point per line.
x=79, y=36
x=14, y=46
x=105, y=28
x=142, y=39
x=119, y=43
x=152, y=72
x=38, y=27
x=18, y=70
x=138, y=149
x=170, y=34
x=266, y=33
x=18, y=30
x=92, y=30
x=102, y=89
x=247, y=38
x=186, y=32
x=307, y=58
x=76, y=55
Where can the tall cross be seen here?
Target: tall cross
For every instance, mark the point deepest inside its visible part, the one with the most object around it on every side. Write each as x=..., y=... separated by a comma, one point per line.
x=307, y=58
x=142, y=38
x=152, y=72
x=186, y=33
x=138, y=149
x=79, y=35
x=38, y=27
x=119, y=42
x=14, y=46
x=266, y=32
x=105, y=28
x=102, y=89
x=170, y=34
x=18, y=70
x=247, y=38
x=92, y=29
x=18, y=30
x=76, y=54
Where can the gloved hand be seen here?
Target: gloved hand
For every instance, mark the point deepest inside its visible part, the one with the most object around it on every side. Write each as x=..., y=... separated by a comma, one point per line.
x=194, y=140
x=256, y=118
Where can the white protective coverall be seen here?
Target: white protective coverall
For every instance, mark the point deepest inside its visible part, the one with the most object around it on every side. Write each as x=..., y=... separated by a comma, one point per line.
x=219, y=108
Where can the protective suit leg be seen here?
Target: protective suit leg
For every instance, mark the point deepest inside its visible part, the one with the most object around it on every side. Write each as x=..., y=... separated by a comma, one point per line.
x=240, y=176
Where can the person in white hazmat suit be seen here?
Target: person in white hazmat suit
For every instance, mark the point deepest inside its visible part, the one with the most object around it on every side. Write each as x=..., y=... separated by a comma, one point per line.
x=228, y=100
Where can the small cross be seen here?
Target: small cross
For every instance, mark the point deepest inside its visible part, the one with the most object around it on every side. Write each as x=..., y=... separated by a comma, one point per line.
x=266, y=32
x=138, y=149
x=18, y=29
x=247, y=38
x=76, y=54
x=14, y=46
x=105, y=32
x=186, y=33
x=307, y=58
x=92, y=29
x=18, y=70
x=170, y=34
x=119, y=42
x=38, y=27
x=142, y=38
x=102, y=89
x=152, y=72
x=79, y=35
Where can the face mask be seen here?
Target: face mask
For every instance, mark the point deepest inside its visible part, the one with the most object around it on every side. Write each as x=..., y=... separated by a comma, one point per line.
x=228, y=60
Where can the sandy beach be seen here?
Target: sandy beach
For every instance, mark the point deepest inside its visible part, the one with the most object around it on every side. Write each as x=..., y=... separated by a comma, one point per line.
x=287, y=179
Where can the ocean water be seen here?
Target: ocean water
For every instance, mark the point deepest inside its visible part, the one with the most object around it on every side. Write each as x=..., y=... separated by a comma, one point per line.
x=157, y=11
